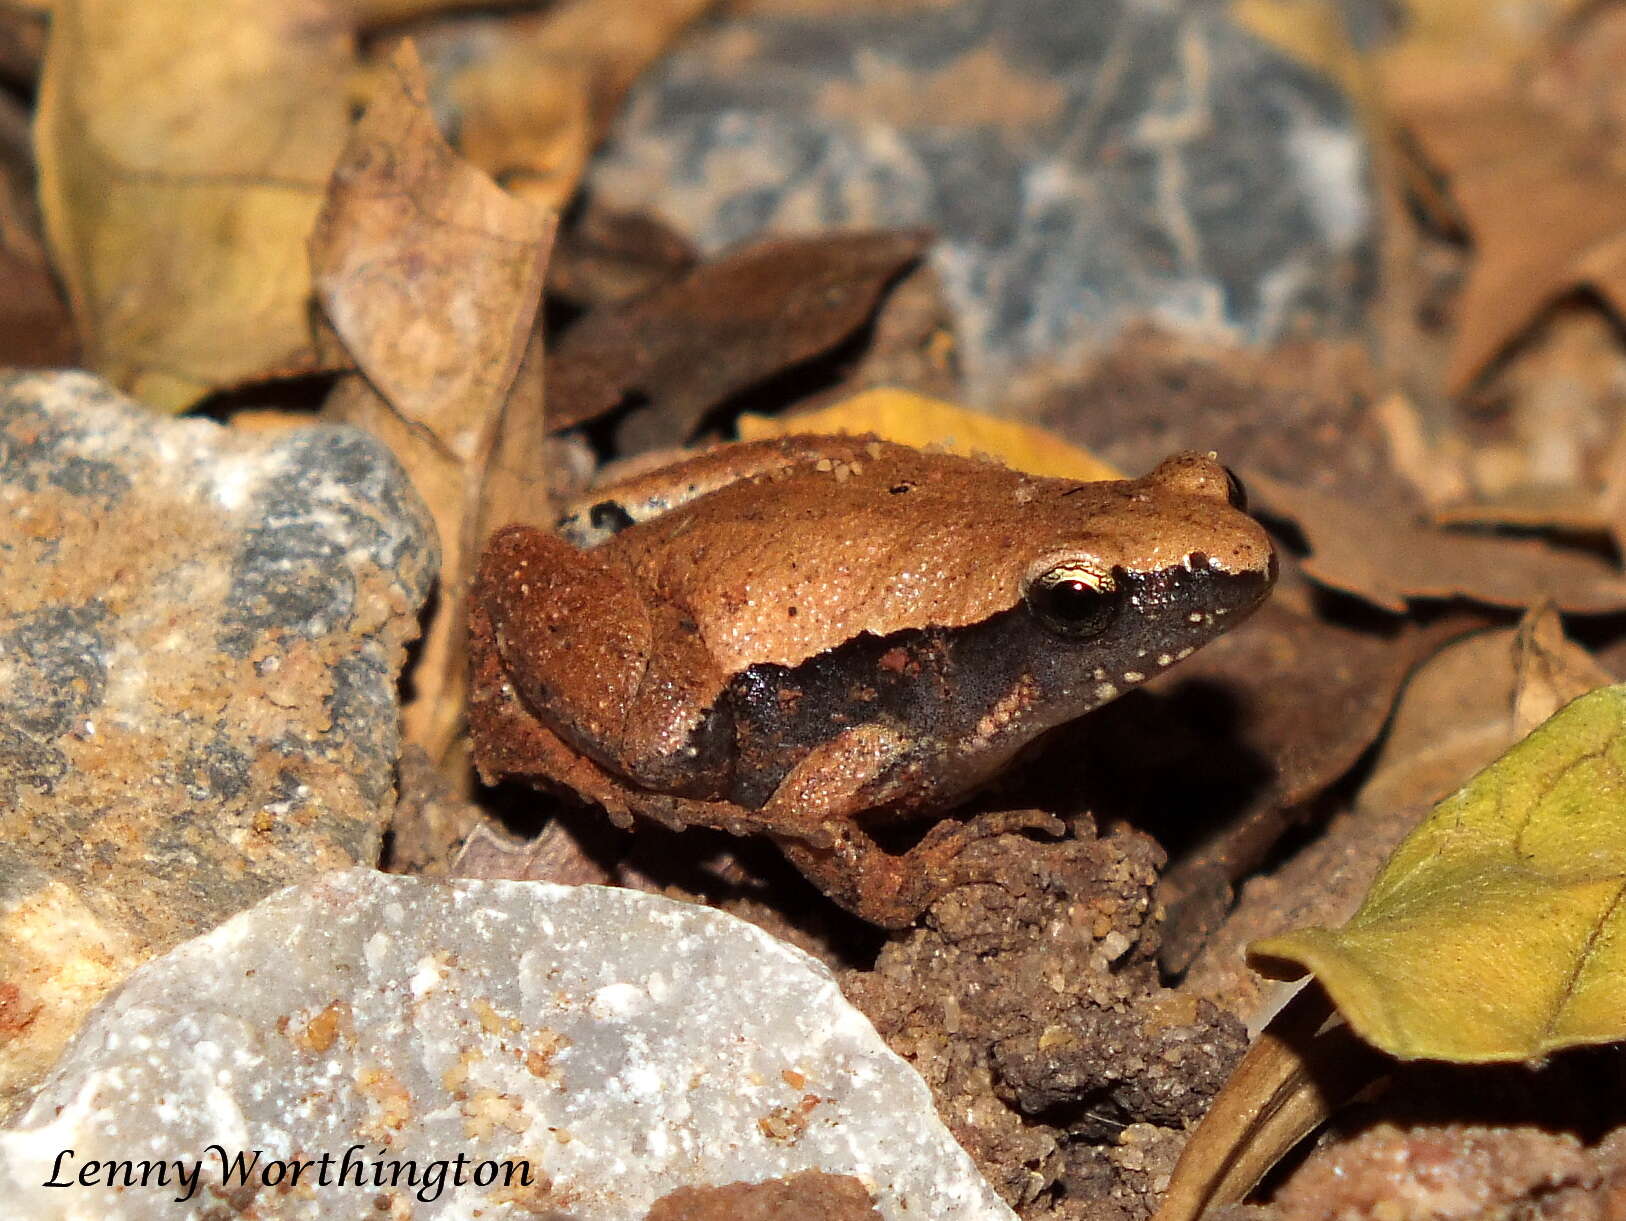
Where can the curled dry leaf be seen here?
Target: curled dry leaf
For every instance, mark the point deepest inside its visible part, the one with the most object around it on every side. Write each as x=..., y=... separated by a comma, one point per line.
x=184, y=148
x=35, y=329
x=723, y=328
x=914, y=419
x=1386, y=558
x=22, y=44
x=1495, y=931
x=552, y=856
x=431, y=277
x=1544, y=199
x=1300, y=1068
x=531, y=95
x=1472, y=701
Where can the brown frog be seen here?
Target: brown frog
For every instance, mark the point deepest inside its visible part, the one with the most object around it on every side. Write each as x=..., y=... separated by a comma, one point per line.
x=806, y=637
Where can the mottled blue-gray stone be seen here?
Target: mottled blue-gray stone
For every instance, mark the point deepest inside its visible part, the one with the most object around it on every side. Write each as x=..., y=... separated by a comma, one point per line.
x=1085, y=165
x=200, y=634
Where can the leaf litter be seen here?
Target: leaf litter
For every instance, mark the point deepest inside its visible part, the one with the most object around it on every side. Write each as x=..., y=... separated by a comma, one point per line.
x=197, y=228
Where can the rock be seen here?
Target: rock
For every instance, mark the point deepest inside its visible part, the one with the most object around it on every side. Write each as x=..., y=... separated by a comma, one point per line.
x=200, y=633
x=617, y=1045
x=1085, y=165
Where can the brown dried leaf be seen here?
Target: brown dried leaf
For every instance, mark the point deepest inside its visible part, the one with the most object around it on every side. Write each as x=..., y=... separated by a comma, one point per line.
x=184, y=147
x=605, y=258
x=22, y=44
x=1470, y=703
x=555, y=855
x=1387, y=558
x=1550, y=670
x=1302, y=1066
x=35, y=328
x=531, y=96
x=1310, y=697
x=725, y=327
x=1301, y=411
x=1545, y=202
x=427, y=270
x=431, y=276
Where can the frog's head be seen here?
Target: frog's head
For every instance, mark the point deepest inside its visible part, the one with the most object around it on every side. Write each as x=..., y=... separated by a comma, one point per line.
x=1130, y=578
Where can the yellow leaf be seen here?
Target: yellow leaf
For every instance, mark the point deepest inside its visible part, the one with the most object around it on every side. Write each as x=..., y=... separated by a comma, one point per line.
x=914, y=419
x=1496, y=931
x=184, y=147
x=1311, y=32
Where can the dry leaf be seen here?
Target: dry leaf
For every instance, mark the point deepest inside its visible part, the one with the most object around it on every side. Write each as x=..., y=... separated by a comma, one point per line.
x=427, y=270
x=35, y=328
x=1385, y=557
x=1432, y=48
x=725, y=327
x=554, y=855
x=1301, y=411
x=914, y=419
x=605, y=257
x=1314, y=34
x=184, y=147
x=1495, y=932
x=431, y=276
x=1310, y=697
x=1550, y=670
x=1471, y=702
x=531, y=96
x=1541, y=188
x=1302, y=1066
x=22, y=44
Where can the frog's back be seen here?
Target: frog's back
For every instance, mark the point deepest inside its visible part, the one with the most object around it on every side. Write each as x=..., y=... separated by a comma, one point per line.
x=779, y=567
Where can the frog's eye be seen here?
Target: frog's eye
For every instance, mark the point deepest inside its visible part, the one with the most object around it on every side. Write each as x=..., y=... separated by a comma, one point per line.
x=1073, y=600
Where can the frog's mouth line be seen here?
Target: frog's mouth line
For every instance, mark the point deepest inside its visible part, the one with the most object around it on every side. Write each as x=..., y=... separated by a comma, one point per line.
x=971, y=696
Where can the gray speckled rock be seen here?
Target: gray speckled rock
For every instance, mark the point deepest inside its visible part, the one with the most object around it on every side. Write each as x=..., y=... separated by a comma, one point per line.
x=200, y=632
x=1085, y=164
x=619, y=1044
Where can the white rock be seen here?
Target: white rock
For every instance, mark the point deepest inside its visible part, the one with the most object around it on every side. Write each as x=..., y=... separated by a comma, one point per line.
x=620, y=1044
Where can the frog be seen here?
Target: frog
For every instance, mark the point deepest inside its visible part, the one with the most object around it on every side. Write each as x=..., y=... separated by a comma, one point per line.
x=813, y=638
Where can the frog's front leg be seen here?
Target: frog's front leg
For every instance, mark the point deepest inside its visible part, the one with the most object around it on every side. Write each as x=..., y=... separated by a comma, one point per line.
x=616, y=673
x=856, y=772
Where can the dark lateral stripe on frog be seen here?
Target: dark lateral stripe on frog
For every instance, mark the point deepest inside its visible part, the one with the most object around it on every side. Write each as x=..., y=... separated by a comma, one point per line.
x=942, y=686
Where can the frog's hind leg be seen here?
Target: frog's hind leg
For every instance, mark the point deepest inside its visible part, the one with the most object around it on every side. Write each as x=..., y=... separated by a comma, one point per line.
x=891, y=890
x=619, y=676
x=856, y=772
